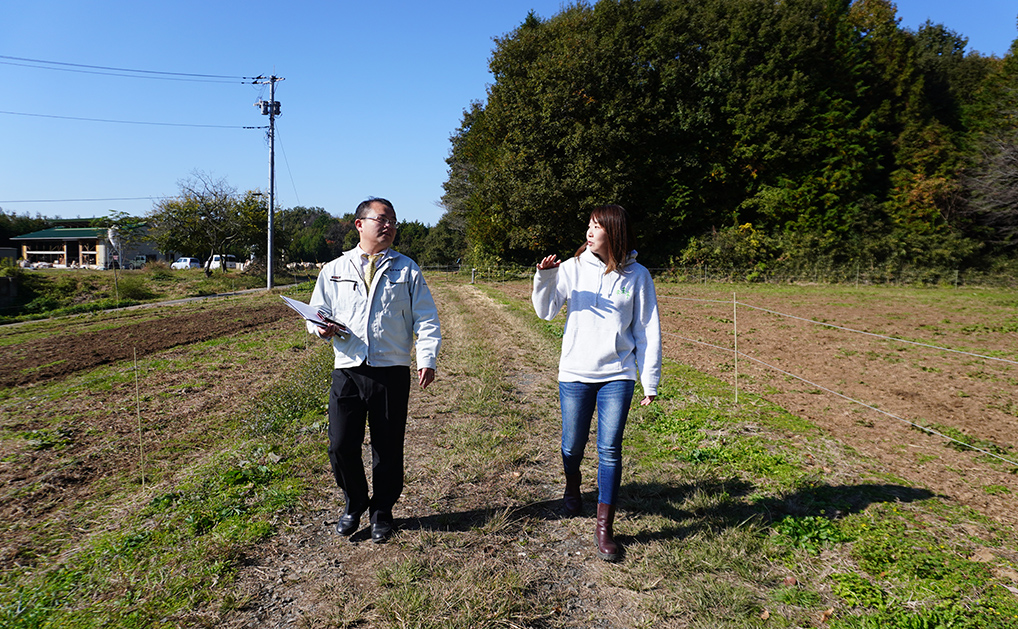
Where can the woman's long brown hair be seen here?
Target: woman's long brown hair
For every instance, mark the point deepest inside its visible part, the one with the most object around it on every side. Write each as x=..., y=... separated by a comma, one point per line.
x=614, y=219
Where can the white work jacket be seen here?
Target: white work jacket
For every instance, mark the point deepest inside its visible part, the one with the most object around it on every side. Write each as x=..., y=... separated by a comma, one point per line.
x=383, y=319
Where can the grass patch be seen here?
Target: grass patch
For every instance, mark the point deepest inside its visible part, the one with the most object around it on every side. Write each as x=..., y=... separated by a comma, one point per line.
x=454, y=594
x=899, y=552
x=959, y=440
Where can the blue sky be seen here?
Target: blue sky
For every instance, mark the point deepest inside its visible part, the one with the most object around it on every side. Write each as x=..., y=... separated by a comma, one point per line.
x=371, y=93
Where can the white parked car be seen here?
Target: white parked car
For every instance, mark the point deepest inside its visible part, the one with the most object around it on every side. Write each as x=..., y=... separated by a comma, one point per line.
x=218, y=262
x=186, y=263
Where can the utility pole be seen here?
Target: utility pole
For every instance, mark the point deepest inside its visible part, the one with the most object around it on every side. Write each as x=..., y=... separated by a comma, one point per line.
x=270, y=108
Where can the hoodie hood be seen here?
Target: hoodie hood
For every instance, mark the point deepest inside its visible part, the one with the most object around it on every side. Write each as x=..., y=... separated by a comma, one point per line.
x=588, y=256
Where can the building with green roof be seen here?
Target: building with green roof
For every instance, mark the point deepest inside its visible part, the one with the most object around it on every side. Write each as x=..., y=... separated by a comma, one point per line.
x=65, y=246
x=87, y=247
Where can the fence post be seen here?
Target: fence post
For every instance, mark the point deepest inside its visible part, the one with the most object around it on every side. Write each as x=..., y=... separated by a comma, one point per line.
x=735, y=327
x=472, y=272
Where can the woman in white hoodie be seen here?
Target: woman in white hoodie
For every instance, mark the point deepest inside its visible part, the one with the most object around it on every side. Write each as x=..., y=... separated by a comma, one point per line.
x=612, y=332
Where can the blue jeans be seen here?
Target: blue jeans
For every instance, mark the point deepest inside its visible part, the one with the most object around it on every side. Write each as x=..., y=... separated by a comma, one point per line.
x=612, y=400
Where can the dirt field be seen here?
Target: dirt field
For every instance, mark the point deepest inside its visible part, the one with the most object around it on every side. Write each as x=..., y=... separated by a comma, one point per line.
x=306, y=568
x=43, y=359
x=46, y=483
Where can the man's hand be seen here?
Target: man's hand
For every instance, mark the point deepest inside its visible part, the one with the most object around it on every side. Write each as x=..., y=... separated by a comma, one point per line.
x=329, y=331
x=425, y=376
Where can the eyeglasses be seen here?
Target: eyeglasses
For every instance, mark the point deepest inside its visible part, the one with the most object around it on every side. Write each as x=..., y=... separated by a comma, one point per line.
x=381, y=220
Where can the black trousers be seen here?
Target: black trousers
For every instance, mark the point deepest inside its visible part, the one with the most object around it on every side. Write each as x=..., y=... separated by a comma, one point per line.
x=376, y=397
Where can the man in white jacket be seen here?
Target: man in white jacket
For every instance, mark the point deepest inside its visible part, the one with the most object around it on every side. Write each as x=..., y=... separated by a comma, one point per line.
x=381, y=298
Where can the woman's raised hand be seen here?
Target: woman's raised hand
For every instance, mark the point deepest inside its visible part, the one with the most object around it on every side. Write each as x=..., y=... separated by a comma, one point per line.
x=549, y=262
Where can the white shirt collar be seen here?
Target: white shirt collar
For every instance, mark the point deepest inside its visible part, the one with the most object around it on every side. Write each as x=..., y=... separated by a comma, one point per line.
x=384, y=252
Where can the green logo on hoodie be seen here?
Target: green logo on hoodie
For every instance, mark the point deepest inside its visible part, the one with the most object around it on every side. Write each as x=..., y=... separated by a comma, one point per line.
x=625, y=291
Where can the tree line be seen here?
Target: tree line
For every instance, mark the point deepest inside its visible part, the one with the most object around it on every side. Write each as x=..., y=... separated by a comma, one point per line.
x=210, y=216
x=748, y=133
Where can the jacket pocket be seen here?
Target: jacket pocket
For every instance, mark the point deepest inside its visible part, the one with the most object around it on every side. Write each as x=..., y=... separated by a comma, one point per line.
x=349, y=296
x=396, y=290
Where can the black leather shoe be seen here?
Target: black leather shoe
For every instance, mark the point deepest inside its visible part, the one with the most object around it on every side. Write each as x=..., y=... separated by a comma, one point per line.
x=348, y=524
x=381, y=532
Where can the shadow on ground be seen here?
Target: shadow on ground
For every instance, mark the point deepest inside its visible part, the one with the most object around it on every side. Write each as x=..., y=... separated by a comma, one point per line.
x=710, y=504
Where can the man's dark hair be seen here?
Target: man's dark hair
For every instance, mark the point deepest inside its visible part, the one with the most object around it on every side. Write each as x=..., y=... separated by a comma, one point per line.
x=366, y=204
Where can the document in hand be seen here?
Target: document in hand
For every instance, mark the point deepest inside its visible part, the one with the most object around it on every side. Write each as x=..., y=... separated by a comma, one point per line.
x=311, y=314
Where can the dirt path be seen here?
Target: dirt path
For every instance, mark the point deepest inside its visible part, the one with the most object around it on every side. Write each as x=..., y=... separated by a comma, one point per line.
x=491, y=510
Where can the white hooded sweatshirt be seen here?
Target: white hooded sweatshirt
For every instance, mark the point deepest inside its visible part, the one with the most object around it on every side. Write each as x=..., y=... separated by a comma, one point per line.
x=612, y=323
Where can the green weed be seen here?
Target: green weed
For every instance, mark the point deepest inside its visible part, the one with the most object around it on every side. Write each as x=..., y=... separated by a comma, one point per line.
x=44, y=439
x=810, y=533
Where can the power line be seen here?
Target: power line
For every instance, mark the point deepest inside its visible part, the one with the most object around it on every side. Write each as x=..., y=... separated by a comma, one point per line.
x=288, y=167
x=157, y=124
x=131, y=76
x=138, y=74
x=85, y=200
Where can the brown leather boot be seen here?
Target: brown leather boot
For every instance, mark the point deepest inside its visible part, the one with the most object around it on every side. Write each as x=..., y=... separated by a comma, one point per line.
x=572, y=502
x=604, y=533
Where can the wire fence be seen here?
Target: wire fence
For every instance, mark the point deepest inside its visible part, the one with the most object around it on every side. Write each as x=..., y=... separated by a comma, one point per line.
x=858, y=276
x=503, y=273
x=737, y=355
x=705, y=275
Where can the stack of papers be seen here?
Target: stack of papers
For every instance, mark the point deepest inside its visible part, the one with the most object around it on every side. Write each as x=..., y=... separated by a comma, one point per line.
x=312, y=314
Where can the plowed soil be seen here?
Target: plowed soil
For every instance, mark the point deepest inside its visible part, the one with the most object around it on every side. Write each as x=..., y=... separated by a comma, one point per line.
x=48, y=358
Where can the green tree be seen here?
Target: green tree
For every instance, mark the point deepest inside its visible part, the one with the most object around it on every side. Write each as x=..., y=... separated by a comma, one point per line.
x=341, y=235
x=445, y=244
x=410, y=239
x=589, y=107
x=796, y=142
x=313, y=235
x=694, y=115
x=209, y=217
x=820, y=123
x=302, y=234
x=123, y=231
x=991, y=181
x=12, y=224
